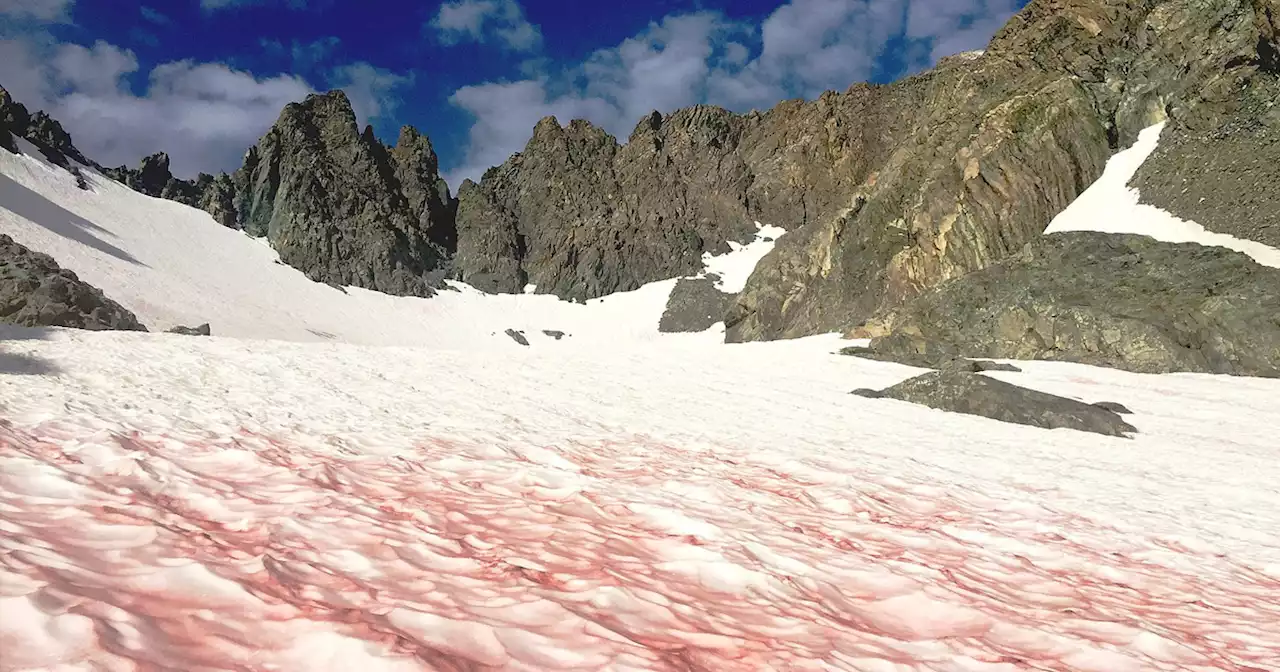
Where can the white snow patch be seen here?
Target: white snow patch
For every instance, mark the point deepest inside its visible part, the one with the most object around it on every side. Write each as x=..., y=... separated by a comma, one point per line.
x=735, y=267
x=1111, y=206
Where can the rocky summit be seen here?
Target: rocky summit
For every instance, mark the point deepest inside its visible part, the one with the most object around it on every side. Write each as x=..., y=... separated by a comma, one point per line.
x=1001, y=142
x=332, y=200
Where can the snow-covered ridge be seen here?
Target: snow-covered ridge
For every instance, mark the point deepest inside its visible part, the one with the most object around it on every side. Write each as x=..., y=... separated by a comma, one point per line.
x=1110, y=205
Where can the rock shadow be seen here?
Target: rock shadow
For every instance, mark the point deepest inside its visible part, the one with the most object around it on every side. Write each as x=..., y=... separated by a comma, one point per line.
x=43, y=212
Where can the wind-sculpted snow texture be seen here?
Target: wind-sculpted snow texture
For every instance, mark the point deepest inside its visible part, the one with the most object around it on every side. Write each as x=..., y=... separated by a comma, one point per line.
x=202, y=504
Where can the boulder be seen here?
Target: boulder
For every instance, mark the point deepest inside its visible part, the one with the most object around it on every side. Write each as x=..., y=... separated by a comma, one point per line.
x=202, y=330
x=975, y=394
x=36, y=292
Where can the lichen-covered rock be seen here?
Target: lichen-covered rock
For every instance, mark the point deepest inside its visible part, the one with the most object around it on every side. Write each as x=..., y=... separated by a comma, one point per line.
x=999, y=145
x=1122, y=301
x=36, y=292
x=328, y=199
x=975, y=394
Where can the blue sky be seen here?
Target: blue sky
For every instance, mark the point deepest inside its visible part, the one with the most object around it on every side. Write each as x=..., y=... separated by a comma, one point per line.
x=203, y=79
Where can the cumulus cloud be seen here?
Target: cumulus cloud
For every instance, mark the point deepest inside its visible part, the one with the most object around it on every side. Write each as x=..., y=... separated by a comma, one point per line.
x=39, y=10
x=486, y=21
x=203, y=114
x=373, y=91
x=800, y=50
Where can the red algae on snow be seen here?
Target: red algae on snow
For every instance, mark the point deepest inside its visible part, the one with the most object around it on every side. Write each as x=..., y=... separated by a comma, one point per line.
x=128, y=551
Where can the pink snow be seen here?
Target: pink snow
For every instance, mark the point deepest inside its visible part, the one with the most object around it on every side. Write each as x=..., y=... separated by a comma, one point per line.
x=211, y=550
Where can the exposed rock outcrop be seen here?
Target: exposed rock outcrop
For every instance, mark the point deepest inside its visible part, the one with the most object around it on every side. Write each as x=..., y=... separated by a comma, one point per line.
x=580, y=216
x=42, y=131
x=36, y=292
x=1002, y=144
x=975, y=394
x=1226, y=179
x=695, y=305
x=1122, y=301
x=341, y=207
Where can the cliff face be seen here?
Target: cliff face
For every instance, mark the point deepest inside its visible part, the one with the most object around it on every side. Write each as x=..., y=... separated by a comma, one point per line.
x=341, y=207
x=1002, y=145
x=581, y=216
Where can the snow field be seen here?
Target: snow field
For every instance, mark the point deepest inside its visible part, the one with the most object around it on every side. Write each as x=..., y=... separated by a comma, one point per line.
x=217, y=503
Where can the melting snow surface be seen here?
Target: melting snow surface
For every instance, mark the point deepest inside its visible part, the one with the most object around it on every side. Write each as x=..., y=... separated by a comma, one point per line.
x=1111, y=206
x=616, y=500
x=206, y=503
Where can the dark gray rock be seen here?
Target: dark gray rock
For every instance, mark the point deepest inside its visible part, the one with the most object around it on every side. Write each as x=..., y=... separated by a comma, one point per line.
x=36, y=292
x=554, y=334
x=417, y=170
x=218, y=198
x=980, y=365
x=517, y=336
x=202, y=330
x=975, y=394
x=1226, y=179
x=45, y=133
x=329, y=198
x=1122, y=301
x=1114, y=407
x=695, y=305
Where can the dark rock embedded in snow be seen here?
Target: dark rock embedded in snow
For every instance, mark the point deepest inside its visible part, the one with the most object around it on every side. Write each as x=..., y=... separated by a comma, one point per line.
x=1114, y=407
x=1122, y=301
x=36, y=292
x=554, y=334
x=517, y=336
x=202, y=330
x=976, y=394
x=695, y=304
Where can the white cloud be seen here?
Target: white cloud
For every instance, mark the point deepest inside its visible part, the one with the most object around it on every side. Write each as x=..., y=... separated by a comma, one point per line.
x=372, y=90
x=39, y=10
x=802, y=49
x=486, y=21
x=204, y=115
